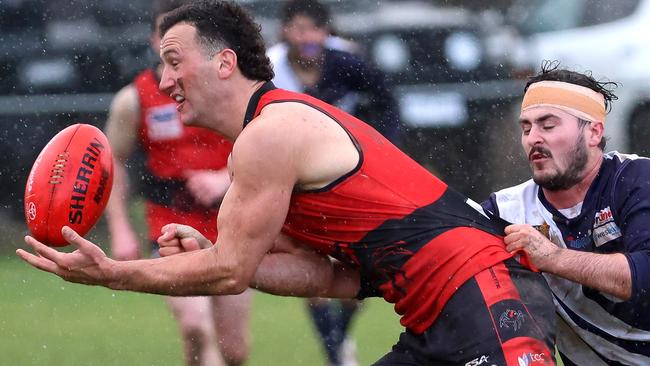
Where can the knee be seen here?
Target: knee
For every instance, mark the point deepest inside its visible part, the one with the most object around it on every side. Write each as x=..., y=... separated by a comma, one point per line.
x=235, y=354
x=195, y=327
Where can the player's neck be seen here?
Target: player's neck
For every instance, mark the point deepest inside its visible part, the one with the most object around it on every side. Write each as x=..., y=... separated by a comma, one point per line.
x=237, y=106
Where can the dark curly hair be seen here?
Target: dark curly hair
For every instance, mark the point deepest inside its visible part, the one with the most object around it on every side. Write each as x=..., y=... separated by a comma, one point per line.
x=551, y=71
x=224, y=24
x=309, y=8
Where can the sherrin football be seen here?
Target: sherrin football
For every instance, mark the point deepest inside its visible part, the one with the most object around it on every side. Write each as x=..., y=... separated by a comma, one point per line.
x=69, y=184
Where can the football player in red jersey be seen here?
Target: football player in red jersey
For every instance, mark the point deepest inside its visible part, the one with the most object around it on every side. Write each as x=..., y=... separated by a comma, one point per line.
x=185, y=179
x=310, y=181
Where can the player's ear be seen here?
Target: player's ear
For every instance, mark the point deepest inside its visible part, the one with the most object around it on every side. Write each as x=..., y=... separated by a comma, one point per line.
x=227, y=62
x=596, y=133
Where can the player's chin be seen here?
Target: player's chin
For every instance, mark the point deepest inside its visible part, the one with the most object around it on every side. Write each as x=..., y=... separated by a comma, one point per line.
x=187, y=116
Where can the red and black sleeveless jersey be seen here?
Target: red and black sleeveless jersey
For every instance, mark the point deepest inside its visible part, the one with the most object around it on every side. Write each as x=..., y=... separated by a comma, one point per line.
x=170, y=146
x=414, y=240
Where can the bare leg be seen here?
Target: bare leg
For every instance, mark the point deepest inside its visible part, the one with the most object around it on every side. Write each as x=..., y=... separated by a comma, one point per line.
x=232, y=318
x=195, y=322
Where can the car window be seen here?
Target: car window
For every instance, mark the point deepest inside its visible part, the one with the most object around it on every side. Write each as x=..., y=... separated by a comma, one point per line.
x=543, y=16
x=538, y=16
x=604, y=11
x=424, y=55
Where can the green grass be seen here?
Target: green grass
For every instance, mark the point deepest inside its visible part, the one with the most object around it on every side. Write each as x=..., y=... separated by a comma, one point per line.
x=46, y=321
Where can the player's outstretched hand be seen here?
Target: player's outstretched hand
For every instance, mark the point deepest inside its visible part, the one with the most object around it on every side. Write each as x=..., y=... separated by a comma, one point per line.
x=177, y=238
x=88, y=264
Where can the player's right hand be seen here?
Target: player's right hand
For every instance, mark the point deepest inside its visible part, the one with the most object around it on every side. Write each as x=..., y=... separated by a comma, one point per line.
x=177, y=238
x=88, y=264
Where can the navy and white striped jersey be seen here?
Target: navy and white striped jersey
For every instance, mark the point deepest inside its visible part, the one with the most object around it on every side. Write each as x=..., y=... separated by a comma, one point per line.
x=615, y=218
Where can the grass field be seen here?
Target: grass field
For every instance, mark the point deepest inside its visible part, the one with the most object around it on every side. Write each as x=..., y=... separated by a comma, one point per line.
x=46, y=321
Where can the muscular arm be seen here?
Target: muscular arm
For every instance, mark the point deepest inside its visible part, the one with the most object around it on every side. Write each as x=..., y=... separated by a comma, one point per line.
x=609, y=273
x=291, y=269
x=121, y=130
x=250, y=218
x=269, y=159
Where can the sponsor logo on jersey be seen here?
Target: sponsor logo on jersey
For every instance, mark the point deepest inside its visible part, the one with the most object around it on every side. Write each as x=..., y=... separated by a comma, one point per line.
x=163, y=123
x=479, y=361
x=605, y=229
x=603, y=216
x=606, y=233
x=529, y=358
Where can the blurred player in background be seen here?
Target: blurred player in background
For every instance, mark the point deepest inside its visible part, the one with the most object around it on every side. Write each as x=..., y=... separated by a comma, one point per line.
x=184, y=181
x=313, y=61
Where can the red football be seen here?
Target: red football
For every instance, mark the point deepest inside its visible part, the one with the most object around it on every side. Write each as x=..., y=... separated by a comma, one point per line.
x=69, y=184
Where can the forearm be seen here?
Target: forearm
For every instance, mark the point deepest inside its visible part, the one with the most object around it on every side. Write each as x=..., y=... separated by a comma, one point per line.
x=197, y=273
x=305, y=275
x=608, y=273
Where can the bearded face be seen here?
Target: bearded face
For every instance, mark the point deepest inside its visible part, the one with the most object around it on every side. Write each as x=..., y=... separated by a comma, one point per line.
x=305, y=39
x=568, y=168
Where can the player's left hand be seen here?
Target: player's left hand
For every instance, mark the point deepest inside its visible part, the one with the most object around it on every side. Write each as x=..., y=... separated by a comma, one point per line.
x=537, y=247
x=88, y=264
x=207, y=186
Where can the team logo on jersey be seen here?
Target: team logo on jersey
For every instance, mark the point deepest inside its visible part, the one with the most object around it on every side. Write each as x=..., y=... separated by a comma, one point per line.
x=511, y=319
x=605, y=229
x=163, y=123
x=529, y=358
x=544, y=229
x=578, y=243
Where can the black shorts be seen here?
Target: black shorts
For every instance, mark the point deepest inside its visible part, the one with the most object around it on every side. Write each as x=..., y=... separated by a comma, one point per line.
x=503, y=316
